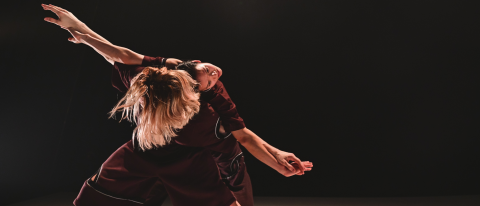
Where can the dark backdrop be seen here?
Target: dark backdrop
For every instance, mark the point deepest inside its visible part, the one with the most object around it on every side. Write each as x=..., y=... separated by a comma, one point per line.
x=380, y=95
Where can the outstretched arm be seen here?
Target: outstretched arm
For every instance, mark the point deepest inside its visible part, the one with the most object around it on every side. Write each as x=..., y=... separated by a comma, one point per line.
x=67, y=20
x=111, y=52
x=271, y=156
x=83, y=34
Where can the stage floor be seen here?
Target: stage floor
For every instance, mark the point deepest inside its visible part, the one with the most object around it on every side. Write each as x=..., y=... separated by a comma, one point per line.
x=65, y=199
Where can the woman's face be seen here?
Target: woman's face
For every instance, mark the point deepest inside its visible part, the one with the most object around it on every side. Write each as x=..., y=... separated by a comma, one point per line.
x=207, y=75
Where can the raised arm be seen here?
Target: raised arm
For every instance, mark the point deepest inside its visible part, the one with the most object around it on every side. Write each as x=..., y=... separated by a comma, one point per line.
x=111, y=52
x=83, y=34
x=271, y=156
x=67, y=20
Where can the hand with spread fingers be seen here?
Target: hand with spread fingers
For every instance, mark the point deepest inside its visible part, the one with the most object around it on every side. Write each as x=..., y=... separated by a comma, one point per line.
x=65, y=18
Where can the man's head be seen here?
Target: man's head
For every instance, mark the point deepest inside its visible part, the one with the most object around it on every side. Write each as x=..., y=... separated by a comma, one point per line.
x=206, y=74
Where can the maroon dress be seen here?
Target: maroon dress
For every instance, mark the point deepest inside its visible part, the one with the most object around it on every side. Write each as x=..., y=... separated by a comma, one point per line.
x=225, y=148
x=189, y=175
x=183, y=169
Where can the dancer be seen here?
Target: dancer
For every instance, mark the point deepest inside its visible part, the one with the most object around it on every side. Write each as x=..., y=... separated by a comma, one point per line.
x=160, y=100
x=221, y=100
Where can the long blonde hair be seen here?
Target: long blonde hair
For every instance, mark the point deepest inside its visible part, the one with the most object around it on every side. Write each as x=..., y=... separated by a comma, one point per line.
x=159, y=101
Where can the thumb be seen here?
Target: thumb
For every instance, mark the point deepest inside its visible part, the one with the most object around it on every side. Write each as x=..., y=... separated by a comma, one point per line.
x=71, y=39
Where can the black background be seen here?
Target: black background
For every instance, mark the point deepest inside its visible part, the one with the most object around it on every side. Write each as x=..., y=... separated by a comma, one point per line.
x=380, y=95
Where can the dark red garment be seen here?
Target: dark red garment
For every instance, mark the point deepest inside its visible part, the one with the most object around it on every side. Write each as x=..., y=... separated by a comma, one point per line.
x=188, y=174
x=225, y=149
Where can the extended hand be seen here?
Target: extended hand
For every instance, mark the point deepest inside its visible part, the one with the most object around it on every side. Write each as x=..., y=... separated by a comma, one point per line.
x=284, y=158
x=306, y=164
x=65, y=18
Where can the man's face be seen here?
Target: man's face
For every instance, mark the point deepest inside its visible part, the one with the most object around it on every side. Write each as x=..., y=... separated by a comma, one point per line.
x=207, y=75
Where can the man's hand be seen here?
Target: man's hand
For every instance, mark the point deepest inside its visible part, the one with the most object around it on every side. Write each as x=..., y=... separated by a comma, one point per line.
x=65, y=18
x=284, y=158
x=288, y=173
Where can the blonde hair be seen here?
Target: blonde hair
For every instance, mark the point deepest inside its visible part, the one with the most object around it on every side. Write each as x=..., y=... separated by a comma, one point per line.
x=159, y=101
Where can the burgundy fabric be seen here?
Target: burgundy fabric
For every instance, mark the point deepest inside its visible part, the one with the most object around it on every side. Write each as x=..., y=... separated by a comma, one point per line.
x=151, y=61
x=223, y=104
x=91, y=197
x=188, y=174
x=158, y=194
x=224, y=150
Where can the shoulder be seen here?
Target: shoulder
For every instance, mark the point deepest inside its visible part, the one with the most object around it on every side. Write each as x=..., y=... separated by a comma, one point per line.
x=219, y=88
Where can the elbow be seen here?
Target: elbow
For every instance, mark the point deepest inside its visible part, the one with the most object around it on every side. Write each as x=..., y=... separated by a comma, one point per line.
x=124, y=57
x=243, y=136
x=243, y=139
x=129, y=57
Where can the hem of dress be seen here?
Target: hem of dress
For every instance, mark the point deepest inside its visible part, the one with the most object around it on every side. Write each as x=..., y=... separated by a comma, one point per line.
x=111, y=196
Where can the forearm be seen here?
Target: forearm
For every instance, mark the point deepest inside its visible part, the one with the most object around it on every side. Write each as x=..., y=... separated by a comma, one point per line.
x=272, y=150
x=83, y=28
x=255, y=145
x=112, y=52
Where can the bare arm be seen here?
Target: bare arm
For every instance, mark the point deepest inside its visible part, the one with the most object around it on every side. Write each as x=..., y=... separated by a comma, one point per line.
x=67, y=20
x=258, y=148
x=83, y=34
x=112, y=53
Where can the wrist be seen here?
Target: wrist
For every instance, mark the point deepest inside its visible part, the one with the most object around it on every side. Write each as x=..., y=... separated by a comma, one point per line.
x=275, y=152
x=81, y=27
x=85, y=38
x=282, y=170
